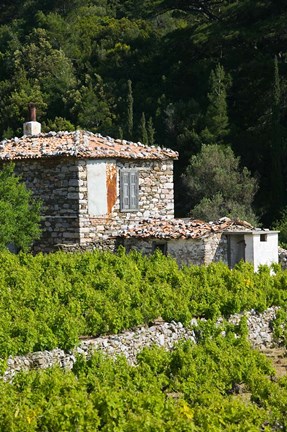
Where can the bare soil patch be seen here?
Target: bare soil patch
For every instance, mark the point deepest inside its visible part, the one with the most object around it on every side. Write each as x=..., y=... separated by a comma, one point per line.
x=278, y=356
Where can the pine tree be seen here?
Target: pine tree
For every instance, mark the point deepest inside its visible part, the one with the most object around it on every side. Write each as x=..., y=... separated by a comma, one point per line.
x=217, y=122
x=91, y=106
x=130, y=113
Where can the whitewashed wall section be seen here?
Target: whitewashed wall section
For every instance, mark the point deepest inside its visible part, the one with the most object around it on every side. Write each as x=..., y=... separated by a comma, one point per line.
x=266, y=251
x=97, y=188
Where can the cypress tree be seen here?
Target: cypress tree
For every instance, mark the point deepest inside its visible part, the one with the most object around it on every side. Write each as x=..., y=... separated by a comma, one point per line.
x=150, y=131
x=120, y=133
x=143, y=130
x=276, y=145
x=130, y=112
x=217, y=122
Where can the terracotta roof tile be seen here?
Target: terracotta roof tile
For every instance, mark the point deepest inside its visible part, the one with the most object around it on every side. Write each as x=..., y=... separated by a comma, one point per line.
x=182, y=228
x=80, y=144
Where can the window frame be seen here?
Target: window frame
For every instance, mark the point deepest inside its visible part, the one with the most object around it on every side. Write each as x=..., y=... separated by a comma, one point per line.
x=160, y=245
x=129, y=190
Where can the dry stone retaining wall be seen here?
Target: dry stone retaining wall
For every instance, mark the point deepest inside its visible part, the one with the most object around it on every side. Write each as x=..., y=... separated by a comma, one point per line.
x=282, y=257
x=130, y=343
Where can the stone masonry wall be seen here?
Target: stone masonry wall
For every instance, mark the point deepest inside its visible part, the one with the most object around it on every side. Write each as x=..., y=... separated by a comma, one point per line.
x=131, y=342
x=186, y=251
x=61, y=185
x=141, y=245
x=156, y=199
x=216, y=248
x=56, y=183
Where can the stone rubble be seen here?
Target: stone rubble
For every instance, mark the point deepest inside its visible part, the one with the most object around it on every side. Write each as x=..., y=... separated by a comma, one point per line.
x=282, y=257
x=259, y=326
x=131, y=342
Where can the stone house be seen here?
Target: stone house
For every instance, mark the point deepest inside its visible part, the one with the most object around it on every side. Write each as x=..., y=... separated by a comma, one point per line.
x=98, y=192
x=90, y=186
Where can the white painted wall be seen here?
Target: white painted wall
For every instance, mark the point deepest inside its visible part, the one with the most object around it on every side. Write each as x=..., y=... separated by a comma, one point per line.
x=265, y=252
x=32, y=128
x=97, y=188
x=257, y=252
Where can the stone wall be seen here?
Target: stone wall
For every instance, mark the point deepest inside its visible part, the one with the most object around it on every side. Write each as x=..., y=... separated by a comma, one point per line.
x=185, y=251
x=216, y=248
x=131, y=342
x=56, y=183
x=141, y=245
x=156, y=199
x=62, y=186
x=282, y=258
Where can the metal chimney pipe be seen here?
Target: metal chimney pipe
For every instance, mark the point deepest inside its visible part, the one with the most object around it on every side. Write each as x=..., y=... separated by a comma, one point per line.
x=32, y=111
x=31, y=127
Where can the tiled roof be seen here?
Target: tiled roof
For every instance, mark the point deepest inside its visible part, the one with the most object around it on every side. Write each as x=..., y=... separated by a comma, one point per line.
x=80, y=144
x=182, y=228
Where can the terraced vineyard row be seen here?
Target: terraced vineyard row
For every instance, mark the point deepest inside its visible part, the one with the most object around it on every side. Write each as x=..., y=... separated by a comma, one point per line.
x=48, y=301
x=218, y=383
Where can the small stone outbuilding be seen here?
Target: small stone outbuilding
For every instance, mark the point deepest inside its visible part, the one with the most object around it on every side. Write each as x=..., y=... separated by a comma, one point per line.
x=198, y=242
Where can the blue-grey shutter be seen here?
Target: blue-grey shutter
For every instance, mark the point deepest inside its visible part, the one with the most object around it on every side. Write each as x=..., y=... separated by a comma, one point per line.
x=129, y=188
x=125, y=200
x=134, y=190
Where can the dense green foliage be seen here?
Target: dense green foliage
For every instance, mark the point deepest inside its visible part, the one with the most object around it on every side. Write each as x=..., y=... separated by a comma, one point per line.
x=19, y=212
x=281, y=225
x=197, y=70
x=193, y=388
x=50, y=300
x=217, y=187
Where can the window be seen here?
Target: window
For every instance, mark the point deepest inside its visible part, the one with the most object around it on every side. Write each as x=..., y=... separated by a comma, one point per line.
x=263, y=237
x=129, y=191
x=160, y=246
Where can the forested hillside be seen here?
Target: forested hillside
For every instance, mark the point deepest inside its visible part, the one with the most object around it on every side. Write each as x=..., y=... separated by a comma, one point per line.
x=174, y=73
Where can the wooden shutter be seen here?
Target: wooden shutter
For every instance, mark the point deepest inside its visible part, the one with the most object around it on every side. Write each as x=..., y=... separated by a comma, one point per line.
x=125, y=190
x=129, y=190
x=134, y=190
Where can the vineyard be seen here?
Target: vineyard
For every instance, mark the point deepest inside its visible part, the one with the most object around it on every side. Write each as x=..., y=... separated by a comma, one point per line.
x=218, y=384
